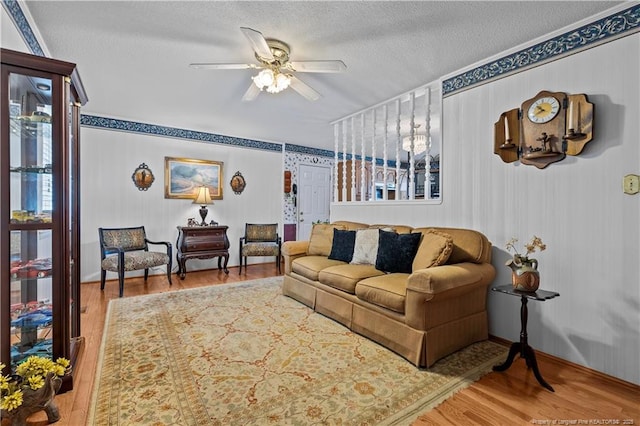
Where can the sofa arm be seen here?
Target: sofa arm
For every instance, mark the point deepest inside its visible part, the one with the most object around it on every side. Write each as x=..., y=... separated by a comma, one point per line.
x=438, y=280
x=292, y=250
x=446, y=293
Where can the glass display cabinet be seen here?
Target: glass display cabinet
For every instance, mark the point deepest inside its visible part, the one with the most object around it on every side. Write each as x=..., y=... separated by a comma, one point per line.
x=39, y=210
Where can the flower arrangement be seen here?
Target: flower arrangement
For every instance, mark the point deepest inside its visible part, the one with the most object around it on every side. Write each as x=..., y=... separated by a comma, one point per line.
x=30, y=374
x=523, y=259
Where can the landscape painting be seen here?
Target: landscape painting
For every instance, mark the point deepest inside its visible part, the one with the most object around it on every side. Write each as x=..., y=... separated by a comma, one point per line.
x=183, y=176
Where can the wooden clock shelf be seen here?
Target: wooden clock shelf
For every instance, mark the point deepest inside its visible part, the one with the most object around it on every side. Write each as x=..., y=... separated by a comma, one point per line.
x=545, y=129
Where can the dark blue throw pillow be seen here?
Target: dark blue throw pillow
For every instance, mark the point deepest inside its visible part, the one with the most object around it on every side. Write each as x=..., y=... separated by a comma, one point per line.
x=342, y=246
x=396, y=251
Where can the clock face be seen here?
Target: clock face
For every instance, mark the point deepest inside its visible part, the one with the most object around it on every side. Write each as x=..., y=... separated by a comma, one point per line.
x=544, y=110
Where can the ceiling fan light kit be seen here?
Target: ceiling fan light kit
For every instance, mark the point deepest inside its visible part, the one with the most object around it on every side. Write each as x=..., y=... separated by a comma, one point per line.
x=271, y=81
x=277, y=70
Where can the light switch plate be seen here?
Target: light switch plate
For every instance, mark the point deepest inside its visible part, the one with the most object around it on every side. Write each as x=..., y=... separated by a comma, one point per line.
x=631, y=184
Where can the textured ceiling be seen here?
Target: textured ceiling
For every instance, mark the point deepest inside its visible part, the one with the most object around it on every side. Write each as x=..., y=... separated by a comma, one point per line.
x=133, y=56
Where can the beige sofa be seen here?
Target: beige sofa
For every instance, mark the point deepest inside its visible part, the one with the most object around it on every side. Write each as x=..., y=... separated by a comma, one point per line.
x=435, y=310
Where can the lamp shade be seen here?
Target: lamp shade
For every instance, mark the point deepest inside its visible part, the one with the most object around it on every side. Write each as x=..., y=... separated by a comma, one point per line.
x=203, y=196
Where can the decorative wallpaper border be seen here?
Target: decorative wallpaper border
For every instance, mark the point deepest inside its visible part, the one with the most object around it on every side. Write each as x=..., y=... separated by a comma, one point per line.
x=15, y=10
x=299, y=149
x=615, y=25
x=172, y=132
x=627, y=20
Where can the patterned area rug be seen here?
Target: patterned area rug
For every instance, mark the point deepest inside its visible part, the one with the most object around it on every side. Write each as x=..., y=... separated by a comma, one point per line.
x=244, y=354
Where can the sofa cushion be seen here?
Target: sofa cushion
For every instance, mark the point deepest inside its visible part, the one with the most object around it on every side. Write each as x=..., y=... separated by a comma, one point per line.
x=310, y=266
x=400, y=229
x=342, y=245
x=350, y=226
x=321, y=239
x=366, y=248
x=135, y=260
x=396, y=251
x=388, y=291
x=434, y=249
x=345, y=277
x=468, y=245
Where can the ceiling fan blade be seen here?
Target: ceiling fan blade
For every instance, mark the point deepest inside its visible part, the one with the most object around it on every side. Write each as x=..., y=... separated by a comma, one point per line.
x=209, y=66
x=318, y=66
x=258, y=43
x=304, y=89
x=252, y=92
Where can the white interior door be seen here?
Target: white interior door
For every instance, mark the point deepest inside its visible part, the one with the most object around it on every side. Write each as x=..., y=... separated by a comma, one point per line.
x=314, y=197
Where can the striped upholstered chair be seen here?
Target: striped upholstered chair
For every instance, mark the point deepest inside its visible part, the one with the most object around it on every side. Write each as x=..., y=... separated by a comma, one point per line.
x=260, y=240
x=127, y=249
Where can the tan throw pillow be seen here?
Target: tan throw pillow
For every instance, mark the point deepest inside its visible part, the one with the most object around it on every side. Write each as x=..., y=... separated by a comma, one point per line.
x=366, y=247
x=434, y=250
x=321, y=239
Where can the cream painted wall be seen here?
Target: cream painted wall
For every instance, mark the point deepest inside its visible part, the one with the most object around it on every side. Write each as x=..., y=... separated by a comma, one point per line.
x=577, y=206
x=109, y=198
x=9, y=35
x=592, y=229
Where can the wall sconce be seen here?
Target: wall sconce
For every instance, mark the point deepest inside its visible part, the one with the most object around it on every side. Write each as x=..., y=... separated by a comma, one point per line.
x=142, y=177
x=203, y=197
x=238, y=183
x=287, y=181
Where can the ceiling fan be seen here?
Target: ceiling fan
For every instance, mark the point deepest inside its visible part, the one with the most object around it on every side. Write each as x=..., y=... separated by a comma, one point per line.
x=277, y=69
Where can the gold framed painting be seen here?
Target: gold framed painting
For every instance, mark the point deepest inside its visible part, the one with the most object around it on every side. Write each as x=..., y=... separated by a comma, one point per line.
x=183, y=176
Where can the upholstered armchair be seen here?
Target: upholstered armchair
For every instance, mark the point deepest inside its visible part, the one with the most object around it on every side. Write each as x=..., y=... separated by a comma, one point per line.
x=127, y=249
x=260, y=240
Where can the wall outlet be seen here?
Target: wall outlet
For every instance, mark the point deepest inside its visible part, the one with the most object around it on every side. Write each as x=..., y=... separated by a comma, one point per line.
x=631, y=184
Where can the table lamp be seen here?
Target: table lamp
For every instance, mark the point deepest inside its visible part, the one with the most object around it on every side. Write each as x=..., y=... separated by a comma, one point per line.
x=203, y=197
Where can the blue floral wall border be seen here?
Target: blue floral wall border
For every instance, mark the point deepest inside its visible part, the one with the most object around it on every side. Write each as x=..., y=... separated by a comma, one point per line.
x=15, y=11
x=625, y=22
x=613, y=26
x=173, y=132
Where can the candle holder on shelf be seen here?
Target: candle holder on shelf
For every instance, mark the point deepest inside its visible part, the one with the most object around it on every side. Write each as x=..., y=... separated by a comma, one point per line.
x=507, y=136
x=508, y=143
x=572, y=134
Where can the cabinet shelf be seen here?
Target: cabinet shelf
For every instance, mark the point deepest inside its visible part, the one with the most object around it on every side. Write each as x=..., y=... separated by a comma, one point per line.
x=39, y=170
x=29, y=226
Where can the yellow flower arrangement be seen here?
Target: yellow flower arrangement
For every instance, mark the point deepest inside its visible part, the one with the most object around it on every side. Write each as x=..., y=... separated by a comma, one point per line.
x=523, y=259
x=30, y=374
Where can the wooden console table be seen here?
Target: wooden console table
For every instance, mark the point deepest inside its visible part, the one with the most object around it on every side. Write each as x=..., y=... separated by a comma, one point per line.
x=522, y=347
x=202, y=242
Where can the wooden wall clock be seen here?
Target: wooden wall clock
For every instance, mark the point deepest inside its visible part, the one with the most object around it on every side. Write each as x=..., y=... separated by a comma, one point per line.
x=545, y=129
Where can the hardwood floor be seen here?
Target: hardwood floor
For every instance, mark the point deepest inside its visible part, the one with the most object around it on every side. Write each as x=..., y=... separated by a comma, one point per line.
x=512, y=397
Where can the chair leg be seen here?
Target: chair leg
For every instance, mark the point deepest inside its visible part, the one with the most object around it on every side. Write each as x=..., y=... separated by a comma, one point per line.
x=146, y=274
x=121, y=280
x=240, y=257
x=169, y=271
x=103, y=277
